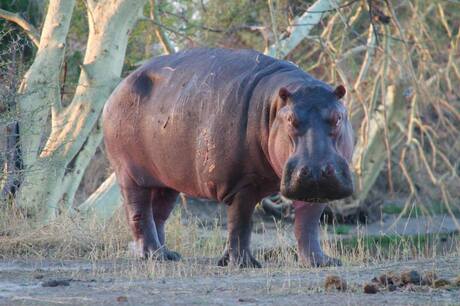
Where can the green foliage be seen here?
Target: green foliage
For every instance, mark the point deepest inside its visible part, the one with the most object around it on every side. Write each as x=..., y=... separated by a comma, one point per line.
x=342, y=229
x=392, y=209
x=79, y=28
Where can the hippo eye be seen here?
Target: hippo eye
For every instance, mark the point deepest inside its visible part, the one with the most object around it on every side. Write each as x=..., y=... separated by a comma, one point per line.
x=336, y=120
x=292, y=120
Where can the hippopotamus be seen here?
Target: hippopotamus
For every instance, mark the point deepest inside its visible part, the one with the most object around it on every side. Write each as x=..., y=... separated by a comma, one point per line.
x=234, y=126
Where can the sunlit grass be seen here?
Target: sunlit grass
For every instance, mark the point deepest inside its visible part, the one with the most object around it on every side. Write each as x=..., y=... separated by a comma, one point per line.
x=106, y=245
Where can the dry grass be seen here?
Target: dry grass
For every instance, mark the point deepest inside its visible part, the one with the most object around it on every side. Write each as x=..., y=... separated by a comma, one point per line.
x=73, y=239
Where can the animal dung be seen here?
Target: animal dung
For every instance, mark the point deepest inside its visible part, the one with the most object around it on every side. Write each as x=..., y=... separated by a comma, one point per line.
x=122, y=299
x=335, y=282
x=411, y=277
x=429, y=278
x=371, y=288
x=441, y=282
x=392, y=288
x=389, y=278
x=409, y=280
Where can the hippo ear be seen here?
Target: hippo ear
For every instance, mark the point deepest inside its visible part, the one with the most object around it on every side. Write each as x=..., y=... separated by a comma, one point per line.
x=340, y=92
x=284, y=93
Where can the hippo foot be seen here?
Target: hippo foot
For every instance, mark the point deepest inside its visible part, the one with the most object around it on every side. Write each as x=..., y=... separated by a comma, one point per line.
x=162, y=254
x=169, y=255
x=321, y=261
x=244, y=260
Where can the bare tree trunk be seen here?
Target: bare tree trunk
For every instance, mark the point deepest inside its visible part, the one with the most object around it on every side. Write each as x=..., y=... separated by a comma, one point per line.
x=104, y=201
x=54, y=174
x=13, y=163
x=40, y=87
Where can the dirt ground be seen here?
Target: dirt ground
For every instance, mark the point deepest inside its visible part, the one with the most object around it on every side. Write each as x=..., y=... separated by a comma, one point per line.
x=134, y=282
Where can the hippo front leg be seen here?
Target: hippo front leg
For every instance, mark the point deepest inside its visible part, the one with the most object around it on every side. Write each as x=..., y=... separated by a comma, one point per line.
x=239, y=226
x=306, y=227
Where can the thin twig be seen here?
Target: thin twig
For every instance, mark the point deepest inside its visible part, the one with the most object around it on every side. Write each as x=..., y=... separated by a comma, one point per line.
x=168, y=46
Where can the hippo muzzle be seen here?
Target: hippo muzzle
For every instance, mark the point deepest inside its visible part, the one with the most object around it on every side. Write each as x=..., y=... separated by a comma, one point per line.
x=320, y=181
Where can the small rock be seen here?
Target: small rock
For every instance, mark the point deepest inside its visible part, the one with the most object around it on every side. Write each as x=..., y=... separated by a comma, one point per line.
x=56, y=283
x=441, y=283
x=247, y=300
x=371, y=288
x=122, y=299
x=392, y=287
x=411, y=277
x=335, y=282
x=429, y=278
x=38, y=276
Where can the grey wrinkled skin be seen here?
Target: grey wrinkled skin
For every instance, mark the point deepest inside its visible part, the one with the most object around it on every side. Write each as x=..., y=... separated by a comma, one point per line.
x=229, y=125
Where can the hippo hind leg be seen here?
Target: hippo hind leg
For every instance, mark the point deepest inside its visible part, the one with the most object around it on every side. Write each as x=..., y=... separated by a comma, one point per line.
x=137, y=201
x=163, y=201
x=239, y=226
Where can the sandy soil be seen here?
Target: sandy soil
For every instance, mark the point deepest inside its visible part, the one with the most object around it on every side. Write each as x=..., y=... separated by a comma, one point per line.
x=126, y=282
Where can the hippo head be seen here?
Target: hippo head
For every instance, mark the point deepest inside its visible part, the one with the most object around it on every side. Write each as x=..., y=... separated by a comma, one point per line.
x=311, y=143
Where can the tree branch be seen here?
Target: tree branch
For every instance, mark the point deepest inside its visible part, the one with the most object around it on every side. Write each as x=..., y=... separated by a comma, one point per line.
x=168, y=46
x=308, y=21
x=30, y=30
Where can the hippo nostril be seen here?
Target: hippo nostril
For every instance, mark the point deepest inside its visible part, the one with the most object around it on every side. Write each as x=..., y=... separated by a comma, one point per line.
x=328, y=170
x=304, y=172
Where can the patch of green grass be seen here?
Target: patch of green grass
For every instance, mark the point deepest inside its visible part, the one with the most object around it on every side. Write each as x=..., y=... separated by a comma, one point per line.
x=392, y=209
x=434, y=209
x=396, y=246
x=342, y=229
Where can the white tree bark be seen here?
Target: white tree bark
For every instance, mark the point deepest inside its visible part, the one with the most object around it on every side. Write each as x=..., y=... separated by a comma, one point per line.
x=40, y=87
x=104, y=201
x=302, y=27
x=75, y=135
x=370, y=155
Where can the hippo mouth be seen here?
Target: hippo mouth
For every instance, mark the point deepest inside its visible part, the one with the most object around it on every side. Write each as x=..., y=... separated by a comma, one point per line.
x=309, y=199
x=315, y=200
x=321, y=191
